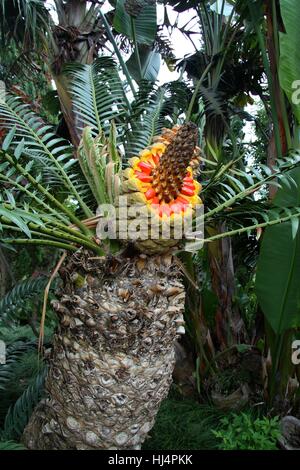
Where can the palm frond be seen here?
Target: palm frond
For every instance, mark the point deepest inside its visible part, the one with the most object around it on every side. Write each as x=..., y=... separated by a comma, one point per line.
x=41, y=219
x=29, y=289
x=213, y=102
x=229, y=197
x=24, y=21
x=36, y=142
x=148, y=118
x=235, y=185
x=18, y=415
x=99, y=95
x=11, y=445
x=13, y=354
x=177, y=98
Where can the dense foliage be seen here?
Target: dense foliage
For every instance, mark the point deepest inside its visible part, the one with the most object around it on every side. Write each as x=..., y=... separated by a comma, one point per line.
x=95, y=75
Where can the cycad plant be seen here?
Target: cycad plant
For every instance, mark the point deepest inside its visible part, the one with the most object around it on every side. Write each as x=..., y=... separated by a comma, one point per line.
x=121, y=305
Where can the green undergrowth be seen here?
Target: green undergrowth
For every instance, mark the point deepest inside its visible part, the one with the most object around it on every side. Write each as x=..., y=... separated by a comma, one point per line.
x=245, y=431
x=184, y=424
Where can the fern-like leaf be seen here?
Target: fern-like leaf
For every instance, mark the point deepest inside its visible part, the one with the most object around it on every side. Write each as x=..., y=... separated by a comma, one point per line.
x=13, y=354
x=11, y=445
x=18, y=415
x=147, y=118
x=98, y=94
x=30, y=289
x=49, y=157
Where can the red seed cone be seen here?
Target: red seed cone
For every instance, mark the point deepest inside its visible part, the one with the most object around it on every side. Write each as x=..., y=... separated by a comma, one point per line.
x=161, y=182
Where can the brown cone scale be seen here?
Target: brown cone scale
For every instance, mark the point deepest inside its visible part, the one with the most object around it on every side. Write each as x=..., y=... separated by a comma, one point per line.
x=171, y=170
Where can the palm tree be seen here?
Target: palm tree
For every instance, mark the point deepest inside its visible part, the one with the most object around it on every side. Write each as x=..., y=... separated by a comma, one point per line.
x=121, y=305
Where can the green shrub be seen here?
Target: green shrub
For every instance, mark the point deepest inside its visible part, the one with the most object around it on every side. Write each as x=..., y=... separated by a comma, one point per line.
x=244, y=431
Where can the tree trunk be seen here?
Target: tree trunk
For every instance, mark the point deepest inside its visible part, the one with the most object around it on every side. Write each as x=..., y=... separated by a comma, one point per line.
x=76, y=39
x=113, y=354
x=230, y=328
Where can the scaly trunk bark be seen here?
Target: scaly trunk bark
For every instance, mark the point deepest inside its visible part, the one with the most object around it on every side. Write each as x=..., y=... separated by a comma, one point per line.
x=113, y=355
x=230, y=328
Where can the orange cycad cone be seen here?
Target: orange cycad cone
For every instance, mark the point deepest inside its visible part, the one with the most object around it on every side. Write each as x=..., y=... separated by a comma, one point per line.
x=162, y=177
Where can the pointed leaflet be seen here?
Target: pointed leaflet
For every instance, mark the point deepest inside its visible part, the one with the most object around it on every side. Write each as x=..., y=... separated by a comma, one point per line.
x=8, y=139
x=15, y=219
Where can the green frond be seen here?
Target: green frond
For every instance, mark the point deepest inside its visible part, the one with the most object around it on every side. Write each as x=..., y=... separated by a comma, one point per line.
x=147, y=119
x=11, y=332
x=177, y=98
x=13, y=354
x=18, y=415
x=23, y=20
x=213, y=102
x=49, y=212
x=154, y=107
x=35, y=142
x=98, y=95
x=274, y=217
x=100, y=163
x=20, y=217
x=30, y=289
x=229, y=185
x=11, y=445
x=229, y=197
x=26, y=194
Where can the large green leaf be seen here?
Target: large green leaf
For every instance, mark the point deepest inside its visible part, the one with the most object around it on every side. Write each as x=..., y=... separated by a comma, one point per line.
x=145, y=23
x=278, y=272
x=150, y=64
x=289, y=66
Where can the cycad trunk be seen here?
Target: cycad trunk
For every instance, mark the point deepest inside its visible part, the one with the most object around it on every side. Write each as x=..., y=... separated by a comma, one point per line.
x=113, y=355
